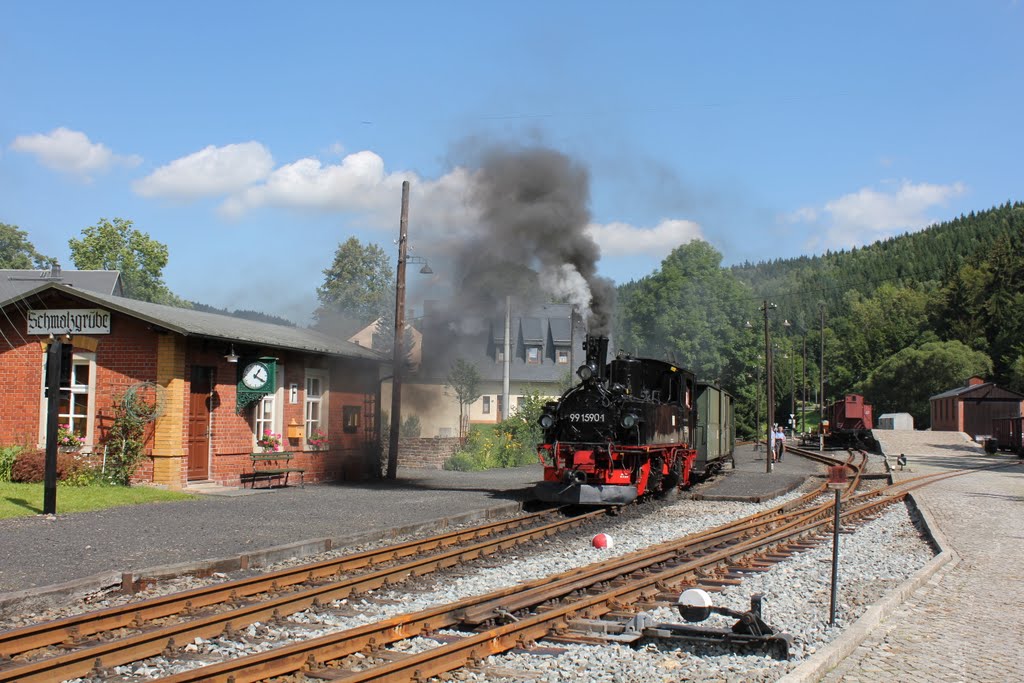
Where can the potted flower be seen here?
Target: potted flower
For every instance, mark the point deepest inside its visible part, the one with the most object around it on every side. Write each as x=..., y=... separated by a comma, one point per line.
x=67, y=440
x=317, y=439
x=269, y=441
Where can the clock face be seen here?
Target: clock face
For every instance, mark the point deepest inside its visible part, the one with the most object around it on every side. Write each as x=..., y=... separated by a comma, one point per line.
x=255, y=375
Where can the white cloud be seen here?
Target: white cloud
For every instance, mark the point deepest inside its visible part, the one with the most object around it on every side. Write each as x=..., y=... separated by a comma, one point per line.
x=622, y=239
x=71, y=151
x=211, y=171
x=360, y=184
x=868, y=215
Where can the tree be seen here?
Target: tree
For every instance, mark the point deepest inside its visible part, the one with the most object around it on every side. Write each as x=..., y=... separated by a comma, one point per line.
x=904, y=382
x=117, y=245
x=17, y=253
x=464, y=379
x=358, y=288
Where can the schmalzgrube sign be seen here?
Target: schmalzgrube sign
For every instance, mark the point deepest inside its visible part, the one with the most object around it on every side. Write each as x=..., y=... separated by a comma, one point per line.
x=69, y=320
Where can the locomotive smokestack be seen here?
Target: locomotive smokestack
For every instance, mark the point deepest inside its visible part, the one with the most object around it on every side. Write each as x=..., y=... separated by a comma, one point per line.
x=597, y=354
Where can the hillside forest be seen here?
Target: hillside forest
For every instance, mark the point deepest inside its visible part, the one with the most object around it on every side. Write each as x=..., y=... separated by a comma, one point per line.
x=899, y=320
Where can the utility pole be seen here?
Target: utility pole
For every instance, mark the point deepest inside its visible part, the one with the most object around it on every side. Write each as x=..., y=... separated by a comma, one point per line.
x=396, y=381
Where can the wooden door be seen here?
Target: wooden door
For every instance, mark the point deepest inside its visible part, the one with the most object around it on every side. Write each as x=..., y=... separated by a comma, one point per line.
x=199, y=407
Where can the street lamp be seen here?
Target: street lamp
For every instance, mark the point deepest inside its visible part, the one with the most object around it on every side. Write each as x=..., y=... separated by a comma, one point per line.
x=792, y=381
x=769, y=371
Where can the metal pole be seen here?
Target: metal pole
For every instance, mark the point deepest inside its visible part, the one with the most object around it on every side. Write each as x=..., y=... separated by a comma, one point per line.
x=54, y=356
x=769, y=411
x=803, y=387
x=396, y=382
x=835, y=561
x=792, y=388
x=507, y=364
x=757, y=412
x=821, y=394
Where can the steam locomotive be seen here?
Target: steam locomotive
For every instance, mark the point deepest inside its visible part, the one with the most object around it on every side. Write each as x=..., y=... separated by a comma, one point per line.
x=632, y=427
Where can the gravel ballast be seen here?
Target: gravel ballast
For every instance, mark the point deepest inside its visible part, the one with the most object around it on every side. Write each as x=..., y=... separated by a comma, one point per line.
x=875, y=558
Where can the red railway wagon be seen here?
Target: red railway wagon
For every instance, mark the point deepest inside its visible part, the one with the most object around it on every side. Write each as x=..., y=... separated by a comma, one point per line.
x=1007, y=433
x=850, y=421
x=850, y=412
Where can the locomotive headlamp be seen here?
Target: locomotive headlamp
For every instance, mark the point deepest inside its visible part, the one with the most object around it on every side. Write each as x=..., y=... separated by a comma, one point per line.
x=585, y=372
x=547, y=420
x=628, y=420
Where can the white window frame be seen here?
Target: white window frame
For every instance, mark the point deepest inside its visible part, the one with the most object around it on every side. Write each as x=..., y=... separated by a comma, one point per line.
x=79, y=358
x=273, y=422
x=485, y=409
x=321, y=401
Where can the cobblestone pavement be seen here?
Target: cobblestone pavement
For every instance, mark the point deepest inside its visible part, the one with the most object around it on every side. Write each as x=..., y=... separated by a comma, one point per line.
x=966, y=622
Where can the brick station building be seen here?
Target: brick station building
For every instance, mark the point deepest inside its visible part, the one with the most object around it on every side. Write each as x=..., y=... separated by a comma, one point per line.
x=190, y=364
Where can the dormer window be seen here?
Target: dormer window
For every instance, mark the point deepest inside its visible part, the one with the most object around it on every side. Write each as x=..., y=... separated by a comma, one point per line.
x=562, y=356
x=499, y=355
x=533, y=354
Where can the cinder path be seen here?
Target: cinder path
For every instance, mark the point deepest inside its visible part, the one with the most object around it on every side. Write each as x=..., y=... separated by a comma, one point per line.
x=966, y=622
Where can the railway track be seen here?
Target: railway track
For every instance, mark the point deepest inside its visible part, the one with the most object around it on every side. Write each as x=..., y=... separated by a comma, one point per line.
x=514, y=616
x=126, y=633
x=549, y=606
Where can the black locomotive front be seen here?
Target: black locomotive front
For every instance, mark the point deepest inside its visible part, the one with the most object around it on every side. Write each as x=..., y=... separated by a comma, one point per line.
x=623, y=431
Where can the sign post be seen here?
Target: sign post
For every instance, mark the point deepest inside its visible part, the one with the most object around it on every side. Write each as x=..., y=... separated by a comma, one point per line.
x=54, y=356
x=836, y=482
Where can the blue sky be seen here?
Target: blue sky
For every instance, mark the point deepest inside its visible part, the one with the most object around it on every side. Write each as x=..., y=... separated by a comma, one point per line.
x=252, y=138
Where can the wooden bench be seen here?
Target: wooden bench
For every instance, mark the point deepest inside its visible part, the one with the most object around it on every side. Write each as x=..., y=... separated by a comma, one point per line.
x=271, y=466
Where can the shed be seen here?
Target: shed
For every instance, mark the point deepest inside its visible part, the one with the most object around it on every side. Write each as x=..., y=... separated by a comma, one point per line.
x=896, y=421
x=973, y=408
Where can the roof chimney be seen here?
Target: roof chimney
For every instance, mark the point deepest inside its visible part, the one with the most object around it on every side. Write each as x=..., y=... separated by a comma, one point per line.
x=54, y=271
x=975, y=381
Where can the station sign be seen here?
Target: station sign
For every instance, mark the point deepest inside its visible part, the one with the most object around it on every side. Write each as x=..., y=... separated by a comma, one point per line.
x=69, y=321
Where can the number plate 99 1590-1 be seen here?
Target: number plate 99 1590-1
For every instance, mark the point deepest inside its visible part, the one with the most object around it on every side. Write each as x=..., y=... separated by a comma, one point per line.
x=586, y=417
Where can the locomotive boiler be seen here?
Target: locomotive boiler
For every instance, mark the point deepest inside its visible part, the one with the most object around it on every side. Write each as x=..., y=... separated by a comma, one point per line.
x=628, y=429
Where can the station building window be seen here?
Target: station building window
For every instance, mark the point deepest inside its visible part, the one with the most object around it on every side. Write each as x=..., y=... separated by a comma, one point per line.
x=267, y=413
x=77, y=404
x=316, y=401
x=487, y=405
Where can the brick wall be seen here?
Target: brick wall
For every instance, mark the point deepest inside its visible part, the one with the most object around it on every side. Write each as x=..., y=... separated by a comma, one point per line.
x=426, y=453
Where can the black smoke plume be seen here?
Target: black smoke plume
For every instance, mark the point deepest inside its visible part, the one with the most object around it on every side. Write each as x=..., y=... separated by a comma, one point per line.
x=532, y=242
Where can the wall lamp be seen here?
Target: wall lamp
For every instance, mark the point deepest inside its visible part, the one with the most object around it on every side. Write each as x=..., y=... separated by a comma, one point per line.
x=231, y=356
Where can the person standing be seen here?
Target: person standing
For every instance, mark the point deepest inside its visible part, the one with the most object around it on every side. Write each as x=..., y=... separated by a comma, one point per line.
x=780, y=441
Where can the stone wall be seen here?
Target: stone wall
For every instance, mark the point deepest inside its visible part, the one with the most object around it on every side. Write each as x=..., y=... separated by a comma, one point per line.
x=426, y=453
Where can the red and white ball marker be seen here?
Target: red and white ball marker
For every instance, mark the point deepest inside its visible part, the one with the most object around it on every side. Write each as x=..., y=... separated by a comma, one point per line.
x=602, y=541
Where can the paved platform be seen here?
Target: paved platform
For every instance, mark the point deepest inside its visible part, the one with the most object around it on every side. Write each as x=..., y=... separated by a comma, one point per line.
x=750, y=480
x=961, y=617
x=46, y=557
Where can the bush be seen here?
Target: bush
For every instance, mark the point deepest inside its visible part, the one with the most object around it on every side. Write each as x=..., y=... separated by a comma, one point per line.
x=463, y=462
x=8, y=454
x=410, y=427
x=30, y=467
x=125, y=440
x=511, y=443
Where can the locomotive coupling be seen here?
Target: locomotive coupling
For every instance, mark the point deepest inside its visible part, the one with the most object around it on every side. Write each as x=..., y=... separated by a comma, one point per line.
x=575, y=477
